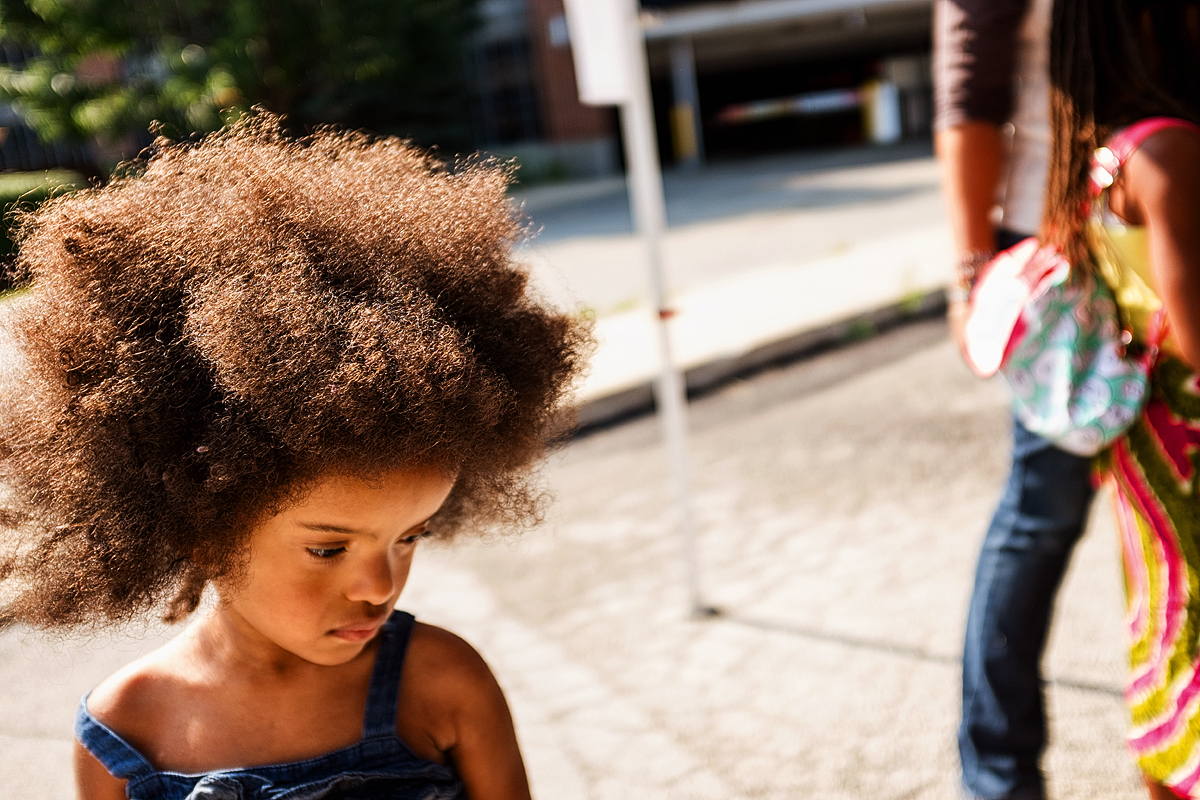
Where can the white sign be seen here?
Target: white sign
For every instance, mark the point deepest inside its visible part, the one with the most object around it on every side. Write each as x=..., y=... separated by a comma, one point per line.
x=600, y=32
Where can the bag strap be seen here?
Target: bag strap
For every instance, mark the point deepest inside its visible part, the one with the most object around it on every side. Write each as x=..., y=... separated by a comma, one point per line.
x=1106, y=166
x=1108, y=160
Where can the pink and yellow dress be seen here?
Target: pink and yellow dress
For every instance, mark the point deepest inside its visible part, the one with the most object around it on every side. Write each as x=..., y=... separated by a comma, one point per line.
x=1153, y=472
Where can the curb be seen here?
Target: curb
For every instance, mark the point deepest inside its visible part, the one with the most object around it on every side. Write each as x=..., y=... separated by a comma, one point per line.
x=701, y=379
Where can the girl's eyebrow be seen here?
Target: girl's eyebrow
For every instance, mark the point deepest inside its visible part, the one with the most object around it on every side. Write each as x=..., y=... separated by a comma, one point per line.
x=316, y=526
x=323, y=528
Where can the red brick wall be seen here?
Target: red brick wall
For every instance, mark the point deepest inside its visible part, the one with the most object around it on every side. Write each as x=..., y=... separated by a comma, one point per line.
x=564, y=118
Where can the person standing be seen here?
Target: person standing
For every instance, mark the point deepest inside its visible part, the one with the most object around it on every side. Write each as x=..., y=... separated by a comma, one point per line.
x=1122, y=202
x=992, y=137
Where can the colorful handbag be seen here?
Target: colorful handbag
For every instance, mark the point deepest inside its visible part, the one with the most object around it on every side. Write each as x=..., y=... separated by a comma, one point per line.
x=1054, y=333
x=1064, y=353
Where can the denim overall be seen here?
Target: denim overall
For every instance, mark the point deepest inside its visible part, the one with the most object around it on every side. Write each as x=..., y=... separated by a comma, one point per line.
x=379, y=767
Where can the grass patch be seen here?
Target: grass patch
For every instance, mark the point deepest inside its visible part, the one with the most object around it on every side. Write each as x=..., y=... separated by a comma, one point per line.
x=861, y=329
x=16, y=185
x=8, y=295
x=912, y=302
x=25, y=190
x=628, y=304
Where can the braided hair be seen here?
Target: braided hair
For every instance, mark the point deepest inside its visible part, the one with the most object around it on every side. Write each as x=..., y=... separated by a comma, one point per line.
x=1112, y=62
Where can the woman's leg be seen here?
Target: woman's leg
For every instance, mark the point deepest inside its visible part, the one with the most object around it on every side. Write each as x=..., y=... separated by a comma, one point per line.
x=1021, y=564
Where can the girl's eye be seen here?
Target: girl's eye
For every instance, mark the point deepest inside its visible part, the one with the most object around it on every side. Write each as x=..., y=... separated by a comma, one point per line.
x=416, y=537
x=325, y=552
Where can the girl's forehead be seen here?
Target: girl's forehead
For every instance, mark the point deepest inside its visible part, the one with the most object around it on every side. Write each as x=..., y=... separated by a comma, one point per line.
x=350, y=496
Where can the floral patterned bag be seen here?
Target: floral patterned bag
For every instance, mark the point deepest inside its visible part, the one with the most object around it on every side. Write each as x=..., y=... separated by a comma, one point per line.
x=1065, y=358
x=1055, y=335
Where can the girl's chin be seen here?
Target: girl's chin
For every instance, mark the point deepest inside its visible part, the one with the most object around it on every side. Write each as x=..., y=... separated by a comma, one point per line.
x=334, y=653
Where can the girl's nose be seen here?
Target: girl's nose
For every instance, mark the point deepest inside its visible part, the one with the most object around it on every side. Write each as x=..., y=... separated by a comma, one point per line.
x=375, y=583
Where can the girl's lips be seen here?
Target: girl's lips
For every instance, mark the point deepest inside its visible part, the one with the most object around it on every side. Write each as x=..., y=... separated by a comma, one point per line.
x=357, y=633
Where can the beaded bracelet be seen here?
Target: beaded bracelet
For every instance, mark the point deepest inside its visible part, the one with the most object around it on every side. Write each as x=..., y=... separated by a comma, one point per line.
x=969, y=267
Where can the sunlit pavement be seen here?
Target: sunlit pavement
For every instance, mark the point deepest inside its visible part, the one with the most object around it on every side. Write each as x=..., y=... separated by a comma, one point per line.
x=757, y=252
x=730, y=218
x=840, y=504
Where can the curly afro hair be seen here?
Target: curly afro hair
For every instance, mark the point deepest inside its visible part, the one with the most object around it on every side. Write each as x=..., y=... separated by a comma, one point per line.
x=237, y=316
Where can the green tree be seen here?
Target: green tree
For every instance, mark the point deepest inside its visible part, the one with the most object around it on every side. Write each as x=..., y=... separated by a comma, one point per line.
x=106, y=68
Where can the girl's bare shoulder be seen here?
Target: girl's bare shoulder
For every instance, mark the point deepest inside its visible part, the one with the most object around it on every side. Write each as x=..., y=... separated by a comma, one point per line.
x=1167, y=161
x=135, y=700
x=457, y=711
x=129, y=702
x=1160, y=173
x=442, y=663
x=1171, y=144
x=446, y=690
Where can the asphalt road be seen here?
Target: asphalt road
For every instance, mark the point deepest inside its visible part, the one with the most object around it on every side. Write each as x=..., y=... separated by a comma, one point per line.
x=840, y=502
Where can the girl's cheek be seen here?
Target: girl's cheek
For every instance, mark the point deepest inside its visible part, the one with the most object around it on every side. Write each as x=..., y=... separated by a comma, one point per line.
x=317, y=582
x=292, y=578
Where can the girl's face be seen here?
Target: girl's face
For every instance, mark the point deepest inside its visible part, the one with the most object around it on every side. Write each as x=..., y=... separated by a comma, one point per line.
x=324, y=573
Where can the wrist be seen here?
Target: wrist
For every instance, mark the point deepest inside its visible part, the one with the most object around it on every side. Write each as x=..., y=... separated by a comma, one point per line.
x=969, y=268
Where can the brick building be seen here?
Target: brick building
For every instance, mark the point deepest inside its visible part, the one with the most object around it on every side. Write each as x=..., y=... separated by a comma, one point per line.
x=729, y=77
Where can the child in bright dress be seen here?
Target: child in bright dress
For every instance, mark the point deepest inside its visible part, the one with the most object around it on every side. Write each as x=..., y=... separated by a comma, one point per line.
x=269, y=367
x=1123, y=199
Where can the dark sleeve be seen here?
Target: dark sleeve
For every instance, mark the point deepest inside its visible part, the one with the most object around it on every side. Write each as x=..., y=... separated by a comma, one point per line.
x=974, y=56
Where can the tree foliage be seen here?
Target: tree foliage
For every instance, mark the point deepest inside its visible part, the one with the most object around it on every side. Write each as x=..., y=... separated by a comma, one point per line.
x=105, y=68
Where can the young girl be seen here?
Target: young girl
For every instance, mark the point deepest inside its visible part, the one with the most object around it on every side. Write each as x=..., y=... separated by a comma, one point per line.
x=271, y=367
x=1126, y=73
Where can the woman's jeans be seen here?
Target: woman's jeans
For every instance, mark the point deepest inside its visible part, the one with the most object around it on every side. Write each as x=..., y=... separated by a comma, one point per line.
x=1025, y=552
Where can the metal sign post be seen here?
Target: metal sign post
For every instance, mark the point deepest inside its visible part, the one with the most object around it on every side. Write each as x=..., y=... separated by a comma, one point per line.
x=610, y=66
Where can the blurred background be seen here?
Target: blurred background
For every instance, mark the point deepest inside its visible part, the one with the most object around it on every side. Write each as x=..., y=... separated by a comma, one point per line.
x=82, y=83
x=844, y=461
x=84, y=80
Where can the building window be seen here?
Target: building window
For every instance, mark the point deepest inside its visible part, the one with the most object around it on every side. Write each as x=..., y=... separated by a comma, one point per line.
x=501, y=72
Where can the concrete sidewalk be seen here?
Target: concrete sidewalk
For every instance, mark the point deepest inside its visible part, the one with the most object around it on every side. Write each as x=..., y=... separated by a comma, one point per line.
x=772, y=313
x=763, y=259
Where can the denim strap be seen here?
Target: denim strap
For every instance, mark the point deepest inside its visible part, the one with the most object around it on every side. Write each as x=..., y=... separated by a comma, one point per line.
x=114, y=753
x=379, y=719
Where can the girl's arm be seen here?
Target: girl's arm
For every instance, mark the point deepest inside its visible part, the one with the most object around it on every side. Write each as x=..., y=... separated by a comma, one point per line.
x=451, y=708
x=92, y=780
x=486, y=754
x=1160, y=188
